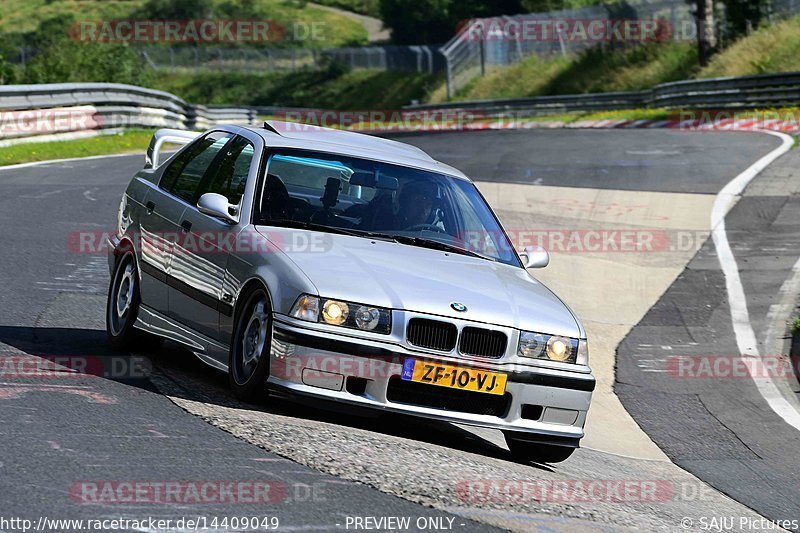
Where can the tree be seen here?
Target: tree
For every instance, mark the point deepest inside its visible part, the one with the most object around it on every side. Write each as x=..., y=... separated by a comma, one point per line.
x=436, y=21
x=706, y=35
x=175, y=10
x=741, y=16
x=6, y=72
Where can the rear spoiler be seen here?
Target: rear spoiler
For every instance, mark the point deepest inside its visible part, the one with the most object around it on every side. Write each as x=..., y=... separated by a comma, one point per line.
x=165, y=135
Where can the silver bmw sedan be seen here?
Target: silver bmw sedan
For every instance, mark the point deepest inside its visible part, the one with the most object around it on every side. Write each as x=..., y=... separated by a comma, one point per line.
x=348, y=268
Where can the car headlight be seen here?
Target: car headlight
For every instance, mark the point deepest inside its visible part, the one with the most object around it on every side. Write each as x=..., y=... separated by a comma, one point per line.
x=552, y=348
x=341, y=313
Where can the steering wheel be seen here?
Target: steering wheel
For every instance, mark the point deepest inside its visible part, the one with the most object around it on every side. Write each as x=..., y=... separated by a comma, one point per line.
x=420, y=227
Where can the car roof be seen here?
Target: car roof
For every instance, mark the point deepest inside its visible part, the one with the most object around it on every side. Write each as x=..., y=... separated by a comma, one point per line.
x=279, y=134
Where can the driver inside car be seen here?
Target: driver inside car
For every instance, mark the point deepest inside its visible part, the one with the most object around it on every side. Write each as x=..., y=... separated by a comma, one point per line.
x=415, y=205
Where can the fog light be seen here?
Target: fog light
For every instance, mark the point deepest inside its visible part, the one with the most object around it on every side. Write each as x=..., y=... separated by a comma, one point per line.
x=334, y=312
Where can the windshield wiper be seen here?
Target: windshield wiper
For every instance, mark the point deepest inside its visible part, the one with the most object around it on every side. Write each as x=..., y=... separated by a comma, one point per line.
x=299, y=224
x=402, y=239
x=438, y=245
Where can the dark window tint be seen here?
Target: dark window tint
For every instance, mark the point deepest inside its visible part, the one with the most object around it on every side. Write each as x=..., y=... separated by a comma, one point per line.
x=183, y=176
x=230, y=177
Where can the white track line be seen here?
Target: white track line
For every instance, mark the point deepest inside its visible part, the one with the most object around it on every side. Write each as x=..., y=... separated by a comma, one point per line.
x=742, y=328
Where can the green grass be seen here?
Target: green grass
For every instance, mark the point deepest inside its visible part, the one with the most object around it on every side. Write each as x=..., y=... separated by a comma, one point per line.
x=774, y=48
x=796, y=325
x=332, y=88
x=597, y=70
x=134, y=141
x=622, y=114
x=18, y=16
x=363, y=7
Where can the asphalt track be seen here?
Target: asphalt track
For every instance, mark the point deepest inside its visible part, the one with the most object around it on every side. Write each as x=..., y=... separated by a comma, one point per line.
x=719, y=427
x=637, y=160
x=58, y=432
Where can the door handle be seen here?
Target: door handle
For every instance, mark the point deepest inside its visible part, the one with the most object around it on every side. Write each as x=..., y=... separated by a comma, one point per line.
x=186, y=225
x=150, y=207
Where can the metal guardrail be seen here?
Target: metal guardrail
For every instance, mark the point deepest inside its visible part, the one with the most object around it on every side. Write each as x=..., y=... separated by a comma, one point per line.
x=744, y=92
x=34, y=110
x=31, y=110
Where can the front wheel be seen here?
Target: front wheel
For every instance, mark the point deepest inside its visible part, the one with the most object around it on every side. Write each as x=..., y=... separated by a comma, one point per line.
x=538, y=453
x=248, y=359
x=122, y=308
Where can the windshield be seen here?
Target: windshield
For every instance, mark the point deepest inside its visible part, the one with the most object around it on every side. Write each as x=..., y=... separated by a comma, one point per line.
x=370, y=198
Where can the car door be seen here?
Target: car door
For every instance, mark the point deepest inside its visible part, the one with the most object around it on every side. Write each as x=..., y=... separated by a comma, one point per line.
x=196, y=295
x=164, y=207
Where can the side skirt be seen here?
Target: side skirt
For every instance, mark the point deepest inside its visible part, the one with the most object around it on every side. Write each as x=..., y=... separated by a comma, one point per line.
x=209, y=351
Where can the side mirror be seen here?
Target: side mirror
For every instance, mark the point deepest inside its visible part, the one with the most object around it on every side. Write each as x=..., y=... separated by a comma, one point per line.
x=216, y=205
x=534, y=257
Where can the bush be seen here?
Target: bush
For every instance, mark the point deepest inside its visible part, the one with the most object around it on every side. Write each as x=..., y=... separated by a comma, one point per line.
x=68, y=61
x=59, y=59
x=6, y=72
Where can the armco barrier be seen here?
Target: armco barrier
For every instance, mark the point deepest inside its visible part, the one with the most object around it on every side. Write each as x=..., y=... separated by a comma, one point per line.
x=31, y=110
x=743, y=92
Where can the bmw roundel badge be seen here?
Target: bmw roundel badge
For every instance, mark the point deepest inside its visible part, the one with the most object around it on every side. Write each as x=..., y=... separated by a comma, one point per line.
x=461, y=308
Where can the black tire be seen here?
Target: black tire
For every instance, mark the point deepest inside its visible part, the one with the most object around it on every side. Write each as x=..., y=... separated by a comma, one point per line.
x=248, y=359
x=524, y=451
x=122, y=309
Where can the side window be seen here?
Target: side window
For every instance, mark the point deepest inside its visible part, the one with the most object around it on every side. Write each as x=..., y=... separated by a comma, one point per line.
x=230, y=177
x=183, y=176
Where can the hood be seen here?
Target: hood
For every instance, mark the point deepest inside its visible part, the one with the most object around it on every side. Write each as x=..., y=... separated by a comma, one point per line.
x=401, y=276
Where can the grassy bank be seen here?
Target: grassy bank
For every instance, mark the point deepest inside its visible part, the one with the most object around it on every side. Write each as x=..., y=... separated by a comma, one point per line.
x=331, y=88
x=597, y=70
x=133, y=141
x=773, y=48
x=364, y=7
x=333, y=29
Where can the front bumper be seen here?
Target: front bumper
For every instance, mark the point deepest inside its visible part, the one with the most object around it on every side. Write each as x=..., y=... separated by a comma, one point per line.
x=548, y=405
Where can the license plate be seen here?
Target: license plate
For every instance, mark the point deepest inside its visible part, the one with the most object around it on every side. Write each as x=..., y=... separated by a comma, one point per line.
x=454, y=377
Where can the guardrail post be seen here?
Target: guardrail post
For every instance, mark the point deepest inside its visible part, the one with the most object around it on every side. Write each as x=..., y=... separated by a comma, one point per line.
x=482, y=51
x=449, y=76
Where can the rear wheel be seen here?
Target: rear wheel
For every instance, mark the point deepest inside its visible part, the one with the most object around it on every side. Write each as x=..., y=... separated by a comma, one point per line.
x=122, y=308
x=248, y=360
x=535, y=452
